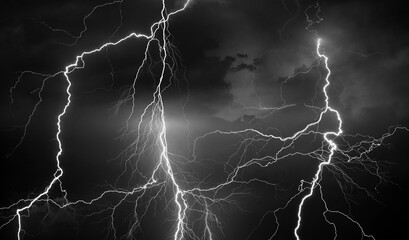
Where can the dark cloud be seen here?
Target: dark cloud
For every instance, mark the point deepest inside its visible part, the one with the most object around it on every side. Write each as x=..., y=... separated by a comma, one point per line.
x=241, y=55
x=242, y=66
x=208, y=90
x=368, y=49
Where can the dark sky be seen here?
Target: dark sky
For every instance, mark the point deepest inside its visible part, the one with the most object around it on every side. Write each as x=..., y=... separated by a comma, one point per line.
x=235, y=61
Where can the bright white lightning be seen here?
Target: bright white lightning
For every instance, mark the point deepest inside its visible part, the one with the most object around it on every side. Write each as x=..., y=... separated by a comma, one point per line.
x=331, y=143
x=157, y=102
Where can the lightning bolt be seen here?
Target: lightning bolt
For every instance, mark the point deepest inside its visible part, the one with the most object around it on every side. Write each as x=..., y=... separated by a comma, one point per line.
x=159, y=27
x=331, y=143
x=189, y=198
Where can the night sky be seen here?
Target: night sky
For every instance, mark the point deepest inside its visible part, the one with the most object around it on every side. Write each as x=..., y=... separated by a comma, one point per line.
x=233, y=69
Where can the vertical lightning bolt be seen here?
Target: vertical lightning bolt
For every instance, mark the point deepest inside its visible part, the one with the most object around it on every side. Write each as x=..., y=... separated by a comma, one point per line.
x=158, y=112
x=331, y=143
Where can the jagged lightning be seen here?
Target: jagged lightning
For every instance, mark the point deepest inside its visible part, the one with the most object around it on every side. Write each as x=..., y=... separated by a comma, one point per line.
x=159, y=111
x=331, y=143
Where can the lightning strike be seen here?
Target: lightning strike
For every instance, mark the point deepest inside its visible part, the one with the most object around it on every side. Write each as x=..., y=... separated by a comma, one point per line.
x=331, y=143
x=159, y=111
